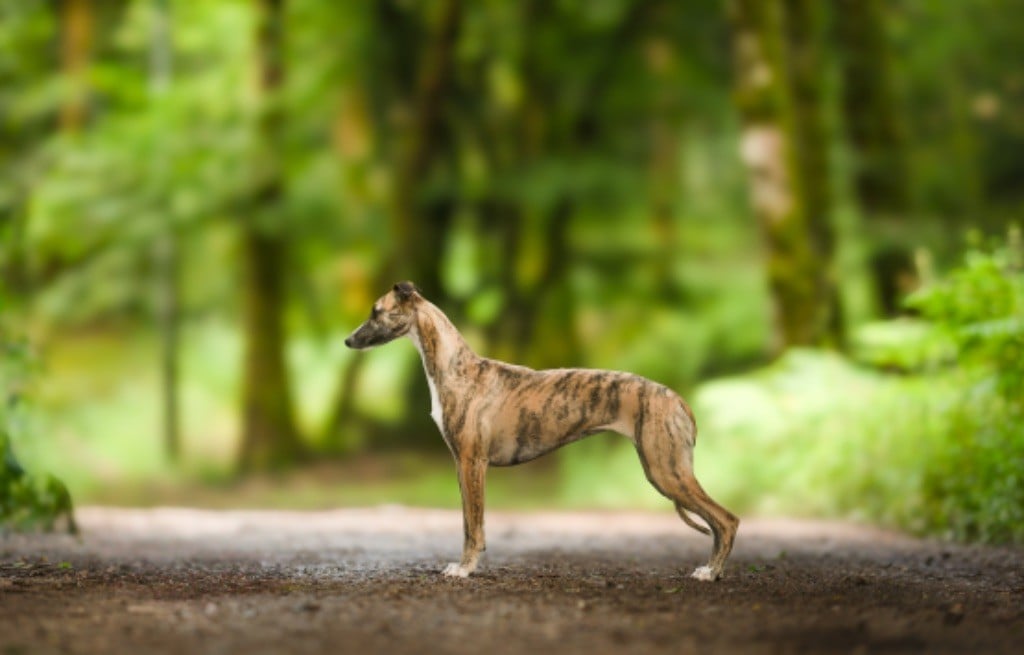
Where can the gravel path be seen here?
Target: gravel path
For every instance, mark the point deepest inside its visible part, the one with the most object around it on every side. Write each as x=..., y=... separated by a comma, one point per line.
x=367, y=581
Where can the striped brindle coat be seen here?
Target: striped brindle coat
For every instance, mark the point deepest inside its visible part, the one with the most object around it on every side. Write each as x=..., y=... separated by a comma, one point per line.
x=493, y=413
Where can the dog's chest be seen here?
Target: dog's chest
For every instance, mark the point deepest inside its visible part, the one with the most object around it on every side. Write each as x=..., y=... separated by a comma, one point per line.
x=436, y=410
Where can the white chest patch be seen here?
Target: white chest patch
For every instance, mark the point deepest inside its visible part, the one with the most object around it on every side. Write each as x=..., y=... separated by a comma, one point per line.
x=436, y=411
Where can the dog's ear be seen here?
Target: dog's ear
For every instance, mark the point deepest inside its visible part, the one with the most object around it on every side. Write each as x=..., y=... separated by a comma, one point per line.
x=404, y=290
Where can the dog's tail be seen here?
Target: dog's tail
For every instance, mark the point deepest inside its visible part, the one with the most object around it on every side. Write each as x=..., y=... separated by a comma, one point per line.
x=689, y=521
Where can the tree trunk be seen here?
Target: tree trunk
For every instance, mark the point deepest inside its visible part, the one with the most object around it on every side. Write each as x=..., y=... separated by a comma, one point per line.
x=665, y=168
x=804, y=39
x=869, y=109
x=269, y=436
x=881, y=176
x=76, y=26
x=543, y=329
x=421, y=227
x=421, y=224
x=767, y=149
x=166, y=255
x=550, y=334
x=169, y=318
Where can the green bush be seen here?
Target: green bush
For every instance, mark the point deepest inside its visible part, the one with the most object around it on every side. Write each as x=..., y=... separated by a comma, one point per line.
x=974, y=486
x=815, y=434
x=26, y=500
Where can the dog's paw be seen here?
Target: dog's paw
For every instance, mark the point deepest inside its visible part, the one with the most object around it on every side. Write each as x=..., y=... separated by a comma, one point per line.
x=456, y=570
x=704, y=573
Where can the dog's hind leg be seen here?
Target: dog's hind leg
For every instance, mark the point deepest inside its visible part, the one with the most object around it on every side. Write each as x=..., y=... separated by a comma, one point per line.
x=667, y=458
x=689, y=521
x=691, y=496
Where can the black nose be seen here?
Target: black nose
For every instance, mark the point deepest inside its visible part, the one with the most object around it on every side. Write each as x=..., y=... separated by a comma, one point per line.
x=348, y=341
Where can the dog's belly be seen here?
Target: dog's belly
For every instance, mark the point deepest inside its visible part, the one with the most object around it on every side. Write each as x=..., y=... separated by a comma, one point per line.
x=528, y=442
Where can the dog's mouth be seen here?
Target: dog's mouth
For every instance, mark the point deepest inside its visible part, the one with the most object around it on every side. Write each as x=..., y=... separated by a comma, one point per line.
x=361, y=344
x=356, y=341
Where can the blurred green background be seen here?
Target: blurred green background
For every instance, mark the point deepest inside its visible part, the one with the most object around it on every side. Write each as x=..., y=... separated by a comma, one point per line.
x=798, y=214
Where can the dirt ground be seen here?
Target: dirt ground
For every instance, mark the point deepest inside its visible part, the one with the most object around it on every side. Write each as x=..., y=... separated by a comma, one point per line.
x=367, y=581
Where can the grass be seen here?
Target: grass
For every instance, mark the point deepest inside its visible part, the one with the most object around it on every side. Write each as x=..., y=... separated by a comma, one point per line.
x=96, y=423
x=810, y=435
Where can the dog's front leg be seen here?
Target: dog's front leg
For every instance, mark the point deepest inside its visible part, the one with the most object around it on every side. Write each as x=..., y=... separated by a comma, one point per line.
x=471, y=483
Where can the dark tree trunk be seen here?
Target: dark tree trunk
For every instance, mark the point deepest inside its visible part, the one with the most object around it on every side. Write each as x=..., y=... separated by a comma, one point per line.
x=552, y=339
x=166, y=255
x=881, y=174
x=169, y=318
x=419, y=225
x=269, y=435
x=869, y=108
x=541, y=329
x=422, y=224
x=665, y=167
x=804, y=39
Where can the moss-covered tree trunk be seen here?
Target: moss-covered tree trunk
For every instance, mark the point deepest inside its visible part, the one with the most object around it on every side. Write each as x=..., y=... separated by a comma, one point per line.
x=762, y=97
x=269, y=437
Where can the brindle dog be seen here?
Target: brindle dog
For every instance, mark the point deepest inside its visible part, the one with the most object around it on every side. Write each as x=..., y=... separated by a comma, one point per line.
x=490, y=412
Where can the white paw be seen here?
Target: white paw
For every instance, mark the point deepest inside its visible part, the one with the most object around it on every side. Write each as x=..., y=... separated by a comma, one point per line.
x=705, y=573
x=455, y=570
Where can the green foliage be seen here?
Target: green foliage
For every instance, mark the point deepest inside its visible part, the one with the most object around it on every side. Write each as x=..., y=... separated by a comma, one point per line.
x=974, y=485
x=28, y=501
x=583, y=203
x=815, y=435
x=25, y=500
x=903, y=345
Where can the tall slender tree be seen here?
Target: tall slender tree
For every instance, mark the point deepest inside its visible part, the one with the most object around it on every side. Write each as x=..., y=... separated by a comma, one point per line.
x=269, y=435
x=165, y=250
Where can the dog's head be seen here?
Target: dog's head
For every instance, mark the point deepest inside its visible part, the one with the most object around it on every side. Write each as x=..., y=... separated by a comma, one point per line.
x=392, y=317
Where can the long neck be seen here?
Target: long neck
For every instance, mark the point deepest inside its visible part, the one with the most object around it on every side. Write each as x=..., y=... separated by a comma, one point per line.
x=442, y=348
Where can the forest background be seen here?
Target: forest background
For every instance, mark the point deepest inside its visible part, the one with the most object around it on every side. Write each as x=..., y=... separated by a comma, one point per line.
x=798, y=214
